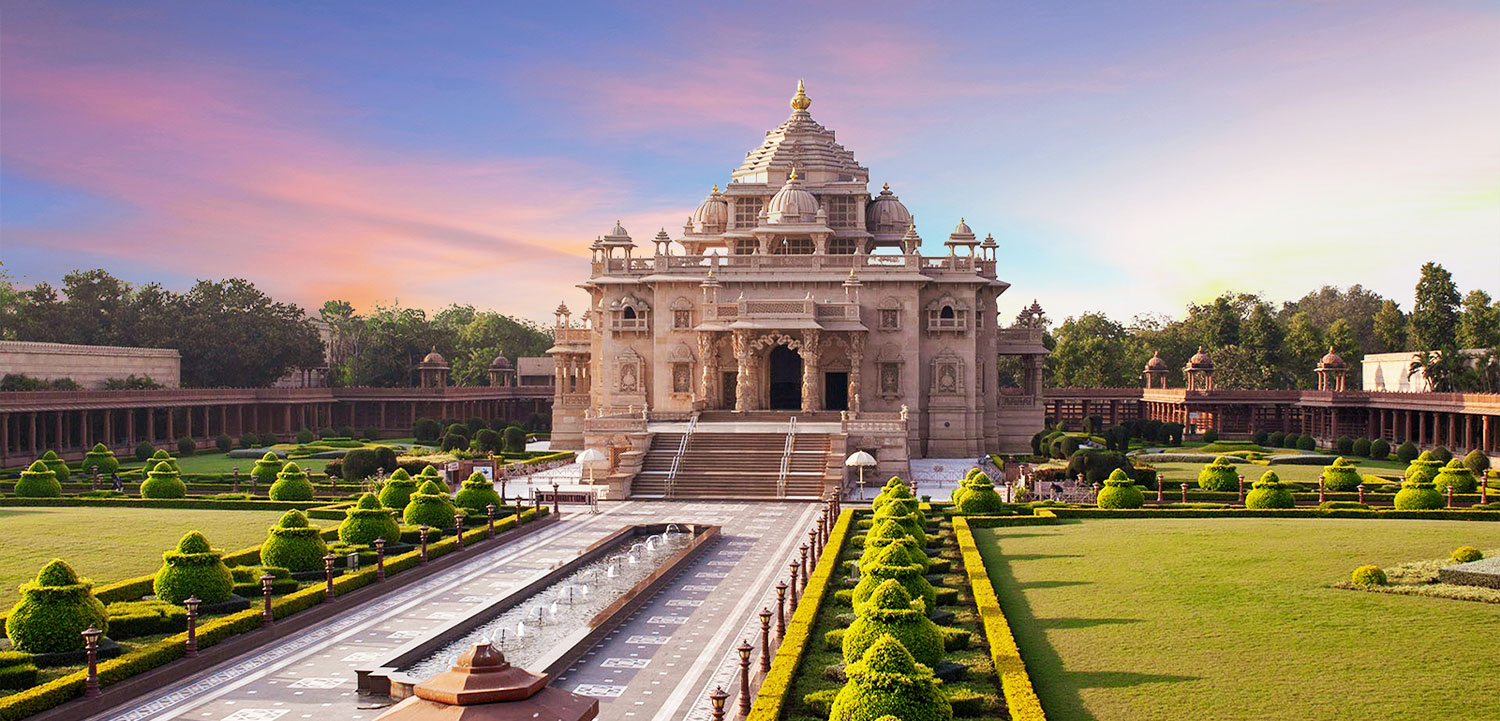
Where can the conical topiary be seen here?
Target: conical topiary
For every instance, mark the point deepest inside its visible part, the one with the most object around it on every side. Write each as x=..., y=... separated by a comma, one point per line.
x=367, y=521
x=396, y=492
x=1419, y=494
x=886, y=532
x=53, y=611
x=887, y=681
x=431, y=473
x=1424, y=469
x=892, y=562
x=913, y=555
x=58, y=465
x=292, y=484
x=1269, y=492
x=1456, y=475
x=980, y=497
x=894, y=489
x=162, y=456
x=910, y=521
x=163, y=482
x=891, y=612
x=430, y=506
x=1220, y=475
x=193, y=569
x=1341, y=477
x=266, y=467
x=38, y=481
x=293, y=544
x=476, y=493
x=100, y=459
x=963, y=485
x=1120, y=492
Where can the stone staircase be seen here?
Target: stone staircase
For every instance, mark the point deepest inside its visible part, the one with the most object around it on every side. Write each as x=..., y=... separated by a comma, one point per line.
x=738, y=465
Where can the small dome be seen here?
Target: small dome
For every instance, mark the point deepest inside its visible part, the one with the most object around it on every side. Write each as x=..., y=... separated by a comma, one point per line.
x=910, y=240
x=963, y=228
x=1156, y=364
x=1332, y=360
x=886, y=213
x=712, y=214
x=1200, y=361
x=434, y=358
x=617, y=236
x=500, y=362
x=792, y=204
x=961, y=235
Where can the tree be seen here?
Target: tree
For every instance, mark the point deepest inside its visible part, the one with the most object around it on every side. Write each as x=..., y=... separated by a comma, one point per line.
x=1304, y=346
x=1390, y=327
x=1092, y=353
x=1479, y=324
x=1434, y=316
x=346, y=331
x=242, y=318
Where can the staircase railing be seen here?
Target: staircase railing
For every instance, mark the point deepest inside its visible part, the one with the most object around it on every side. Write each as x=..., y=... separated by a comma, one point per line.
x=677, y=459
x=786, y=458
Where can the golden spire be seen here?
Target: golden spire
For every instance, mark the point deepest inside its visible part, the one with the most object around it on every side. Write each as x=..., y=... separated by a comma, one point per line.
x=886, y=187
x=800, y=101
x=793, y=176
x=716, y=187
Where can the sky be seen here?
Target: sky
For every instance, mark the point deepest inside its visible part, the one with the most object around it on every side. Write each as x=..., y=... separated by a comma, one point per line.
x=1128, y=157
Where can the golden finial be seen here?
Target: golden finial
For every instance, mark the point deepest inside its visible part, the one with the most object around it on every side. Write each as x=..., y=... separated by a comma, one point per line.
x=716, y=187
x=793, y=176
x=886, y=187
x=961, y=219
x=800, y=101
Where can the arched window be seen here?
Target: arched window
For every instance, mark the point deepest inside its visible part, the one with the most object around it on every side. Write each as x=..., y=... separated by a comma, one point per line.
x=946, y=313
x=629, y=313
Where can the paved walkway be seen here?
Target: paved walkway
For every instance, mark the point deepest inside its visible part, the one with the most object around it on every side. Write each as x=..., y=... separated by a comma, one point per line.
x=311, y=675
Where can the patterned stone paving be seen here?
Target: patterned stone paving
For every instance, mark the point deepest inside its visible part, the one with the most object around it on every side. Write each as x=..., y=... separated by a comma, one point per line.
x=690, y=632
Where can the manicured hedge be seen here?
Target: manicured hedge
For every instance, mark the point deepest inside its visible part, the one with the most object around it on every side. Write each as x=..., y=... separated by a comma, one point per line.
x=1020, y=695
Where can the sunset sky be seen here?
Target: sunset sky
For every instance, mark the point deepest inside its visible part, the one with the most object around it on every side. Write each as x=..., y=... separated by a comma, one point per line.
x=1128, y=157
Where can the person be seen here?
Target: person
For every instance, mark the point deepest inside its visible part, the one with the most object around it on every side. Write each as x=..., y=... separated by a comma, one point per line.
x=115, y=478
x=1056, y=491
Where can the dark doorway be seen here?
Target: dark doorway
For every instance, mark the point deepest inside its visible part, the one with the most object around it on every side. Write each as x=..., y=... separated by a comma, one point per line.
x=836, y=391
x=729, y=381
x=786, y=379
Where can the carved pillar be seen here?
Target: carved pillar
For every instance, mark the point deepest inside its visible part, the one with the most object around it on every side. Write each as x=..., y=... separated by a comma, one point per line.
x=810, y=400
x=708, y=362
x=742, y=371
x=856, y=361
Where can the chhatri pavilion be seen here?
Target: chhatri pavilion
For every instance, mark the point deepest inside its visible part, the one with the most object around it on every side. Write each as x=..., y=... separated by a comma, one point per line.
x=793, y=292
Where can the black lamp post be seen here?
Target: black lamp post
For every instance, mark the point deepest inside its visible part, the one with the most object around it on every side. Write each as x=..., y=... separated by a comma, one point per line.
x=191, y=648
x=744, y=648
x=489, y=514
x=423, y=531
x=266, y=617
x=780, y=610
x=380, y=559
x=328, y=576
x=458, y=528
x=91, y=648
x=765, y=639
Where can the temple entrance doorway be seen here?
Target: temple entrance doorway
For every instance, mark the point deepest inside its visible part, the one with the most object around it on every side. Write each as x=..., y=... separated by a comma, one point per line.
x=785, y=366
x=836, y=391
x=729, y=382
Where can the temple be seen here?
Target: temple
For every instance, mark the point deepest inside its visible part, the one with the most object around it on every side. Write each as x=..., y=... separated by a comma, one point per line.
x=793, y=293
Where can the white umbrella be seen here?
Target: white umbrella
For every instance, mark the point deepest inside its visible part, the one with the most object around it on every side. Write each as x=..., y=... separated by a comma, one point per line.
x=860, y=460
x=588, y=458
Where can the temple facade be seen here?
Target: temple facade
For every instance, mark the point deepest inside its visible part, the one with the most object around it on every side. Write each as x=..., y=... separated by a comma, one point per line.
x=797, y=291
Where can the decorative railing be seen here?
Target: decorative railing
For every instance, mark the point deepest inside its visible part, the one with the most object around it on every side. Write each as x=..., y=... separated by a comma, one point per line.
x=757, y=261
x=681, y=451
x=786, y=457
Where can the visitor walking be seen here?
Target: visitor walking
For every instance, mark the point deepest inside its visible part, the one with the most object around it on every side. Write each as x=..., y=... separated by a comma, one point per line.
x=119, y=485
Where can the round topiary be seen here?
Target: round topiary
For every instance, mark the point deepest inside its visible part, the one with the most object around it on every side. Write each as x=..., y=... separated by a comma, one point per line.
x=396, y=492
x=265, y=469
x=893, y=562
x=1340, y=477
x=58, y=465
x=193, y=569
x=1380, y=449
x=1441, y=454
x=1457, y=476
x=1368, y=576
x=1467, y=554
x=887, y=681
x=430, y=473
x=475, y=494
x=1362, y=447
x=963, y=485
x=1307, y=443
x=367, y=521
x=1269, y=492
x=1277, y=439
x=293, y=544
x=1418, y=495
x=1423, y=469
x=53, y=611
x=886, y=532
x=980, y=497
x=911, y=554
x=910, y=521
x=100, y=459
x=291, y=485
x=1407, y=452
x=38, y=481
x=1219, y=476
x=890, y=612
x=895, y=490
x=1120, y=492
x=163, y=482
x=429, y=506
x=162, y=456
x=1477, y=462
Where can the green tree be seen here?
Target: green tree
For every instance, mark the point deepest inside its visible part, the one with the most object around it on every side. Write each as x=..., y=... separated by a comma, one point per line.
x=1091, y=353
x=254, y=339
x=1390, y=327
x=1479, y=324
x=1434, y=316
x=1303, y=347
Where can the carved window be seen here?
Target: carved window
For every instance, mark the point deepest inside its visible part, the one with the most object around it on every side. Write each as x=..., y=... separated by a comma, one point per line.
x=744, y=246
x=747, y=212
x=890, y=319
x=682, y=377
x=842, y=246
x=795, y=246
x=842, y=211
x=682, y=319
x=890, y=379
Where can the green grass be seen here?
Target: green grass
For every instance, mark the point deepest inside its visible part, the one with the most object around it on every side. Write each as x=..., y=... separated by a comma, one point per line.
x=108, y=544
x=1225, y=619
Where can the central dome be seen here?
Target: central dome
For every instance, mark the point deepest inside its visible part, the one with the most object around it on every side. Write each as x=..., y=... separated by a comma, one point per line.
x=712, y=214
x=792, y=204
x=886, y=215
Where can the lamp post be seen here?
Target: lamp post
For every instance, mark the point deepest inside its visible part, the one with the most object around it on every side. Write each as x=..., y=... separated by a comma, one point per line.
x=266, y=617
x=1450, y=495
x=91, y=648
x=860, y=460
x=803, y=549
x=780, y=610
x=556, y=503
x=1242, y=488
x=812, y=542
x=1361, y=489
x=458, y=528
x=1161, y=482
x=423, y=531
x=328, y=576
x=765, y=639
x=717, y=698
x=380, y=559
x=744, y=648
x=794, y=566
x=489, y=514
x=1322, y=490
x=190, y=649
x=1184, y=493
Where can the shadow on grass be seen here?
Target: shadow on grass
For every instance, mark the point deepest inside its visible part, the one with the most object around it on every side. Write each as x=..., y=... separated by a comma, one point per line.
x=1121, y=679
x=1083, y=622
x=1041, y=556
x=1053, y=584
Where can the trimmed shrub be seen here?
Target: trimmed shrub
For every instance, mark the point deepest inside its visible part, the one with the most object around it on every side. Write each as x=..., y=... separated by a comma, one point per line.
x=475, y=493
x=1368, y=576
x=224, y=443
x=487, y=441
x=895, y=490
x=53, y=611
x=430, y=507
x=163, y=482
x=186, y=447
x=1269, y=492
x=143, y=450
x=1477, y=463
x=426, y=430
x=514, y=438
x=1210, y=435
x=454, y=442
x=192, y=569
x=887, y=532
x=100, y=459
x=1418, y=494
x=431, y=473
x=132, y=619
x=1262, y=438
x=370, y=434
x=293, y=544
x=291, y=485
x=58, y=466
x=305, y=436
x=980, y=498
x=329, y=432
x=248, y=441
x=1458, y=476
x=1380, y=449
x=361, y=463
x=1361, y=448
x=1220, y=475
x=1307, y=443
x=38, y=481
x=1407, y=452
x=1277, y=439
x=266, y=468
x=1120, y=492
x=162, y=456
x=1441, y=454
x=367, y=521
x=1343, y=445
x=889, y=563
x=396, y=492
x=890, y=612
x=888, y=681
x=1467, y=554
x=1424, y=469
x=1096, y=465
x=909, y=519
x=17, y=674
x=1341, y=477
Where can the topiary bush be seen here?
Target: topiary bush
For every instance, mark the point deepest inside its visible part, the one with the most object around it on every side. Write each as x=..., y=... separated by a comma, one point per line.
x=248, y=441
x=1368, y=576
x=1457, y=476
x=53, y=611
x=396, y=492
x=305, y=436
x=100, y=459
x=1467, y=554
x=1210, y=436
x=370, y=434
x=144, y=450
x=162, y=456
x=892, y=562
x=887, y=532
x=962, y=487
x=475, y=493
x=1096, y=465
x=1341, y=477
x=487, y=441
x=1441, y=454
x=980, y=497
x=888, y=681
x=454, y=442
x=1277, y=439
x=431, y=473
x=1423, y=469
x=266, y=468
x=514, y=439
x=429, y=506
x=59, y=466
x=894, y=490
x=1380, y=449
x=1361, y=448
x=186, y=447
x=367, y=521
x=909, y=519
x=293, y=544
x=890, y=612
x=362, y=463
x=1120, y=492
x=1477, y=462
x=291, y=485
x=38, y=481
x=224, y=443
x=1269, y=492
x=426, y=430
x=1307, y=443
x=1220, y=475
x=1261, y=438
x=192, y=569
x=1418, y=495
x=1407, y=452
x=163, y=481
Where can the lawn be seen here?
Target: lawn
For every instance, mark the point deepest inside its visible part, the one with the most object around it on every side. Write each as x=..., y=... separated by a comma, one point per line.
x=110, y=544
x=1168, y=619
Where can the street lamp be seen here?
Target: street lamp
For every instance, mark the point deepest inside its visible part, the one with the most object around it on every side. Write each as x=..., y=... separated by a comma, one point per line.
x=860, y=460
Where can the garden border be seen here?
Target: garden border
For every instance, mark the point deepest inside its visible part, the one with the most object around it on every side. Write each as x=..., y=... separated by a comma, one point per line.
x=1015, y=682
